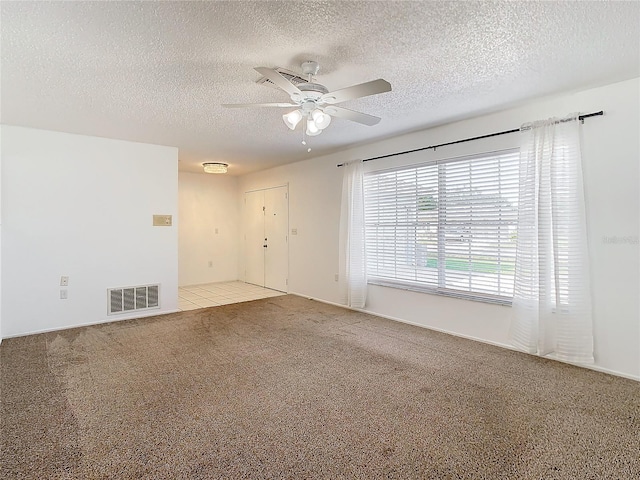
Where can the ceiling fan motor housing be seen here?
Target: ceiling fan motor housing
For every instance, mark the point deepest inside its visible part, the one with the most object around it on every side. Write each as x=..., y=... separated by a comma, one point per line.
x=310, y=91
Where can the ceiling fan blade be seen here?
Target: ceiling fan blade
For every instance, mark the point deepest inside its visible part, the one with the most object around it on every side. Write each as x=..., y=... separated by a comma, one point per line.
x=279, y=80
x=357, y=91
x=242, y=105
x=352, y=115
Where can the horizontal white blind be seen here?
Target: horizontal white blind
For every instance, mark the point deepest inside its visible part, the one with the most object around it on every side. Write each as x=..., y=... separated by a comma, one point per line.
x=446, y=226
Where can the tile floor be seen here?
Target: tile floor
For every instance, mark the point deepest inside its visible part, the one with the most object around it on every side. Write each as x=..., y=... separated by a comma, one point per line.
x=214, y=294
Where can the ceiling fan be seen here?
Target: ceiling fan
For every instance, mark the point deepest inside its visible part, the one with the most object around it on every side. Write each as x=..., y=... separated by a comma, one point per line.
x=315, y=103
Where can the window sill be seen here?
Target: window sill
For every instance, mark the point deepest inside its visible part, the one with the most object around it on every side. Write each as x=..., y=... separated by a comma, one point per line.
x=495, y=300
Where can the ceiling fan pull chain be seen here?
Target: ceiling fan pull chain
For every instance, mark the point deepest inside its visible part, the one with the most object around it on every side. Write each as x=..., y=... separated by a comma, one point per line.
x=304, y=142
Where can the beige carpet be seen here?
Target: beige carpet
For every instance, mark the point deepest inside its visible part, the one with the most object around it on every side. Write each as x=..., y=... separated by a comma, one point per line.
x=290, y=388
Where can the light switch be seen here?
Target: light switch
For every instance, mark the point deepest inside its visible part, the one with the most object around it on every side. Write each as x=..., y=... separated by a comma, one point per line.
x=162, y=220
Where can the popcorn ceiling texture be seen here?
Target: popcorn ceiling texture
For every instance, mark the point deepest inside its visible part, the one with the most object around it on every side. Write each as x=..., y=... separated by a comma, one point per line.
x=157, y=72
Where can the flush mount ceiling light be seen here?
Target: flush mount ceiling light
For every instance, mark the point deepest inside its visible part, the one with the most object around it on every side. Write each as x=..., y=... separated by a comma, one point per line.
x=314, y=103
x=215, y=167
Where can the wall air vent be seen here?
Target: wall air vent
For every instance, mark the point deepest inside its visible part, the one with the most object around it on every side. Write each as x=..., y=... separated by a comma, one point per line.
x=288, y=74
x=129, y=299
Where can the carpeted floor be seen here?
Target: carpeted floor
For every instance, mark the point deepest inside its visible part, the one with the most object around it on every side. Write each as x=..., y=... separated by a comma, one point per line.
x=291, y=388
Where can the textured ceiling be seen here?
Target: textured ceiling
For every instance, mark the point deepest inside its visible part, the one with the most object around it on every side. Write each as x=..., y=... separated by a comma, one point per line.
x=157, y=72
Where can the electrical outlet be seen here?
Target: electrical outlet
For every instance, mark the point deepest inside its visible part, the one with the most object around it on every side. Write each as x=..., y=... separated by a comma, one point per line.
x=216, y=231
x=337, y=277
x=294, y=231
x=210, y=263
x=64, y=281
x=63, y=294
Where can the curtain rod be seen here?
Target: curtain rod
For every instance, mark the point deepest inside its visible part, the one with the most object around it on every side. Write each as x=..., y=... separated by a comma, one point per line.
x=580, y=117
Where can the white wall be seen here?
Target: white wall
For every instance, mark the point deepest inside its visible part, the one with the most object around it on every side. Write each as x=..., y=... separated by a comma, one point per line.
x=611, y=167
x=82, y=207
x=0, y=233
x=209, y=228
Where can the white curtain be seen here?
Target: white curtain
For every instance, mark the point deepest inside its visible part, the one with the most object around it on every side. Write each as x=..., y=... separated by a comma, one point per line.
x=552, y=295
x=352, y=269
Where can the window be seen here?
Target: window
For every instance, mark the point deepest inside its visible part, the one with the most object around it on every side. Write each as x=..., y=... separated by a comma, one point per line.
x=446, y=227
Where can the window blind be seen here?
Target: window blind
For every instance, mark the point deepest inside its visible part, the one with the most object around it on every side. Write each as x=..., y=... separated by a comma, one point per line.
x=447, y=227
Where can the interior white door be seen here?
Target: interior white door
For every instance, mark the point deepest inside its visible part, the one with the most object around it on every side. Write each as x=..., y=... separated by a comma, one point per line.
x=254, y=237
x=276, y=226
x=266, y=221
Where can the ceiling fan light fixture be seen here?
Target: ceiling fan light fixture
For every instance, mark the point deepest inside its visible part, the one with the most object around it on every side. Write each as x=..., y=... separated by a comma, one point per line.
x=312, y=128
x=215, y=167
x=321, y=119
x=292, y=119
